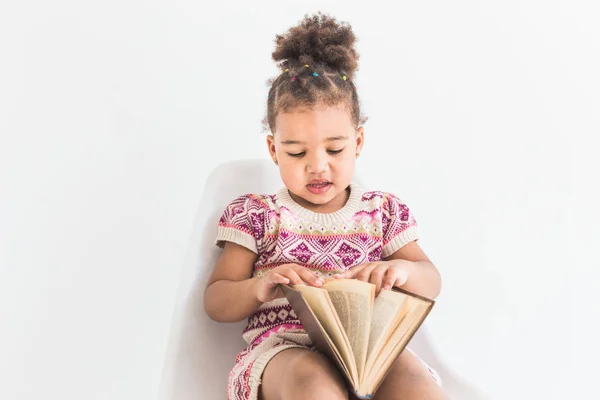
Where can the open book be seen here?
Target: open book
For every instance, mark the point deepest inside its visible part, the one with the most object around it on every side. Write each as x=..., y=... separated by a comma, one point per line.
x=362, y=334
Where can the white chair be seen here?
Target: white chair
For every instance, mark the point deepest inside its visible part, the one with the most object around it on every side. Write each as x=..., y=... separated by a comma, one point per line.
x=201, y=352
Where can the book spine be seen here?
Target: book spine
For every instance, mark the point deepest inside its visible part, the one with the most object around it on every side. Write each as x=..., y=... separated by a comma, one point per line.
x=362, y=396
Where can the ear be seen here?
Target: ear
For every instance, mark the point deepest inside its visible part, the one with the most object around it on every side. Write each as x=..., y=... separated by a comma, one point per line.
x=360, y=139
x=271, y=147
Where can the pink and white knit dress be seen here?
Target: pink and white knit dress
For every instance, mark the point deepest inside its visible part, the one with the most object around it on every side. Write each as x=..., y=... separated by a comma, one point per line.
x=372, y=225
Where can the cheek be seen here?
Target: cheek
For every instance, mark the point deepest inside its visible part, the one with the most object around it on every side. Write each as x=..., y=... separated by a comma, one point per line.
x=347, y=160
x=345, y=166
x=291, y=172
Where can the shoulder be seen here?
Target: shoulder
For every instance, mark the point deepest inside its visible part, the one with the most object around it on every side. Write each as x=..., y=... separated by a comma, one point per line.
x=251, y=202
x=243, y=220
x=247, y=209
x=383, y=200
x=398, y=223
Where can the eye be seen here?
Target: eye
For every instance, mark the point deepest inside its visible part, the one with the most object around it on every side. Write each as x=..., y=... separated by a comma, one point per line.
x=296, y=154
x=334, y=152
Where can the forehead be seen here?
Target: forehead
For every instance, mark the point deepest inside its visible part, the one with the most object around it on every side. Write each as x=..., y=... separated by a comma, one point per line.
x=315, y=123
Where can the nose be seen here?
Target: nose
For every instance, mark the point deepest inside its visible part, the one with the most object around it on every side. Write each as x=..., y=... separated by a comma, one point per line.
x=317, y=163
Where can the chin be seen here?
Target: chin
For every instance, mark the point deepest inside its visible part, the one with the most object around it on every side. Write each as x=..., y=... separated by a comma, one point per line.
x=320, y=198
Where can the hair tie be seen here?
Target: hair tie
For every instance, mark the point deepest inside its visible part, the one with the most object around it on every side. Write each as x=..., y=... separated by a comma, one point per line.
x=315, y=74
x=293, y=78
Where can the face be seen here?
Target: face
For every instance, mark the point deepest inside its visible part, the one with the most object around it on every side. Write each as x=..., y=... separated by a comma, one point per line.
x=316, y=151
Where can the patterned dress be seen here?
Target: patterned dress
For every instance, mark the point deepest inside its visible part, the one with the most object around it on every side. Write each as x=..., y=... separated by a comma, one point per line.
x=372, y=225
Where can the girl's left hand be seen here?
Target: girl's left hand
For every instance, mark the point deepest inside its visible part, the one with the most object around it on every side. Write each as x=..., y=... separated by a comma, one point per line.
x=383, y=274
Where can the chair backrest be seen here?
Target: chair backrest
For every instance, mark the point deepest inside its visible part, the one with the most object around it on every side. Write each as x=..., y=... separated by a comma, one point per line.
x=201, y=352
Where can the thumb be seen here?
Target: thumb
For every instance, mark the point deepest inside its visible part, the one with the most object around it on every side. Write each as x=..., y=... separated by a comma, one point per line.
x=401, y=279
x=276, y=279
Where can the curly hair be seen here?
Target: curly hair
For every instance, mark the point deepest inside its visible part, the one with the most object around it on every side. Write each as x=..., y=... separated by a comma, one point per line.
x=318, y=63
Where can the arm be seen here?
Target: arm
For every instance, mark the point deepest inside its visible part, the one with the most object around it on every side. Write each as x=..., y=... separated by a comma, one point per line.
x=413, y=269
x=230, y=293
x=425, y=278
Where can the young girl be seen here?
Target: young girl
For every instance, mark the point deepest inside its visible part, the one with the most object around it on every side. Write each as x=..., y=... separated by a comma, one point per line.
x=319, y=225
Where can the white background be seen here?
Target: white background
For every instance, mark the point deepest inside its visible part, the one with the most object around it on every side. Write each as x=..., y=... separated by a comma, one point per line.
x=483, y=117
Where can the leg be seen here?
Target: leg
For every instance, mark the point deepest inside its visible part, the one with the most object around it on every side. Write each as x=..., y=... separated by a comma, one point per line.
x=301, y=374
x=409, y=379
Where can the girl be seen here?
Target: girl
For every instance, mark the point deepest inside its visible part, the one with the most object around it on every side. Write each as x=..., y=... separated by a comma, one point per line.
x=319, y=225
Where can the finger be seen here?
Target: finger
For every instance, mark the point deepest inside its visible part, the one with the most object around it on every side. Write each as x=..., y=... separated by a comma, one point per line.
x=352, y=272
x=376, y=277
x=269, y=286
x=293, y=277
x=277, y=279
x=348, y=274
x=309, y=277
x=401, y=279
x=389, y=278
x=365, y=273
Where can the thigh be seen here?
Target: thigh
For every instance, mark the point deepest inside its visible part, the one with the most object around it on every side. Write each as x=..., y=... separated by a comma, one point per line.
x=409, y=379
x=301, y=373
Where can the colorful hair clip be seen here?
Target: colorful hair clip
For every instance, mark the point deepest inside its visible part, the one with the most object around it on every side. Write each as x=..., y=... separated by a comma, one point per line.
x=286, y=70
x=293, y=78
x=306, y=65
x=315, y=74
x=344, y=77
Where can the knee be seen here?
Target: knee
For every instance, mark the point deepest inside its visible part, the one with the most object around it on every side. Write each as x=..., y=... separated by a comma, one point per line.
x=409, y=366
x=315, y=377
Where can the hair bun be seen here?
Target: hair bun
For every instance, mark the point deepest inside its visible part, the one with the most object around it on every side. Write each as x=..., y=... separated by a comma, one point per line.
x=320, y=41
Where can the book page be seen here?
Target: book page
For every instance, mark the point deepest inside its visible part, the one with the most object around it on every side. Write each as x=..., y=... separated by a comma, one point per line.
x=388, y=310
x=353, y=301
x=322, y=307
x=417, y=309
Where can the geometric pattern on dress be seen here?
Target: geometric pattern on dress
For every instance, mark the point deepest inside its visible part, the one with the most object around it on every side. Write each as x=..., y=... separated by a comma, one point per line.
x=329, y=253
x=238, y=383
x=363, y=243
x=268, y=318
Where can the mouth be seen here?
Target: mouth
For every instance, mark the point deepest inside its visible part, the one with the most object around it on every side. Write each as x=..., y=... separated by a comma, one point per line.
x=318, y=186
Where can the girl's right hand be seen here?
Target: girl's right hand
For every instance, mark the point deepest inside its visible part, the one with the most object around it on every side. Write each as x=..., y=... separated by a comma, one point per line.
x=268, y=289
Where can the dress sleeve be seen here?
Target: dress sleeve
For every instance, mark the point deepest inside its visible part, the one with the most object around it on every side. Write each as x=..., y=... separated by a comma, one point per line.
x=399, y=225
x=242, y=223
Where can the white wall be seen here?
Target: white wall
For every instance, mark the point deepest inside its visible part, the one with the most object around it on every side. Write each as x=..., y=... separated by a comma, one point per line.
x=484, y=117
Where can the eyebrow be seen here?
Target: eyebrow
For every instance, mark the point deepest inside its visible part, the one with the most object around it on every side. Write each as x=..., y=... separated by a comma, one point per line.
x=329, y=139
